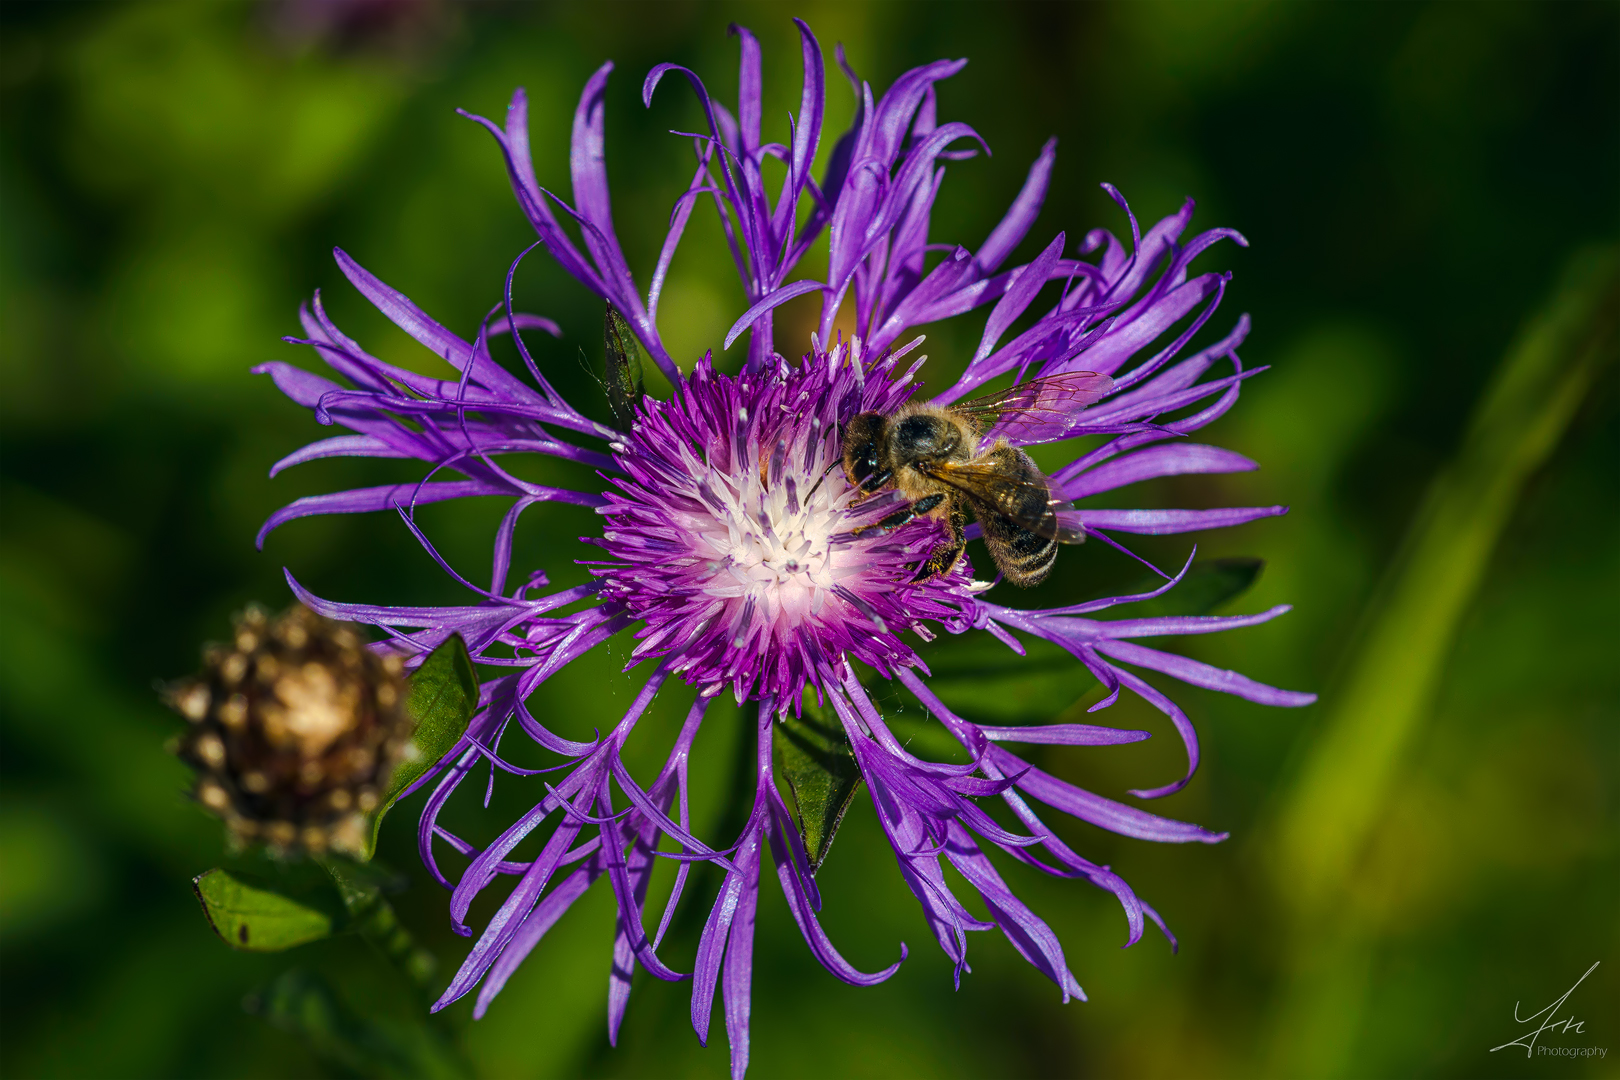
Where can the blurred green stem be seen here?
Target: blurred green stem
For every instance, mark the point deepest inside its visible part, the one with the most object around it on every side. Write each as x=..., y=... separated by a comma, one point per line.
x=373, y=918
x=1318, y=838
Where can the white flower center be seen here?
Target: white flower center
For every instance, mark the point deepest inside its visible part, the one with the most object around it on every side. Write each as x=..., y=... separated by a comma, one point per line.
x=772, y=543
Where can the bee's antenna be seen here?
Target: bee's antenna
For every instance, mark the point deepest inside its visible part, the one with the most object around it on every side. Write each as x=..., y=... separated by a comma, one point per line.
x=822, y=479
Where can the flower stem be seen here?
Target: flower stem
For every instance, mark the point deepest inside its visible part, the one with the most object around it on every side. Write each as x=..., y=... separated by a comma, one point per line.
x=373, y=918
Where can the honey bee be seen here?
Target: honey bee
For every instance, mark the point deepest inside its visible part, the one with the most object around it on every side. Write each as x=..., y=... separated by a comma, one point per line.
x=931, y=455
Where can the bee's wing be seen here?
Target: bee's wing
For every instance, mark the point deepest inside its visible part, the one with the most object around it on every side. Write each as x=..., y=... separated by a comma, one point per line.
x=1028, y=501
x=1040, y=410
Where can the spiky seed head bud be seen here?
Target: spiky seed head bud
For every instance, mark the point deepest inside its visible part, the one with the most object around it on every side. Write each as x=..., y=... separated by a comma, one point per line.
x=294, y=730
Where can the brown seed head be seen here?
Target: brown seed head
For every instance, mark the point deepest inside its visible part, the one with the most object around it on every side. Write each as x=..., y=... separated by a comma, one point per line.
x=294, y=731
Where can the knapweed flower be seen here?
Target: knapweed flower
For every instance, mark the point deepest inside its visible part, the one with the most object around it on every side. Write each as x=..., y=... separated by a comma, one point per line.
x=740, y=558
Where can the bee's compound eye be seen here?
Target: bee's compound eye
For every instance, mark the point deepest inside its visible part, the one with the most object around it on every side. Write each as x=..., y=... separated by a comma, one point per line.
x=862, y=441
x=864, y=463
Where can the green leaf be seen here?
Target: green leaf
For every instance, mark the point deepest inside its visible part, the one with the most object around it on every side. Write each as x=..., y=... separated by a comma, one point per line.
x=1383, y=703
x=1209, y=584
x=623, y=364
x=443, y=697
x=257, y=917
x=1390, y=681
x=814, y=756
x=304, y=1003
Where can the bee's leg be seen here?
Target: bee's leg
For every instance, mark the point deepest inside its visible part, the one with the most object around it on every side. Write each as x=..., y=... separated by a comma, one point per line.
x=907, y=514
x=877, y=480
x=948, y=554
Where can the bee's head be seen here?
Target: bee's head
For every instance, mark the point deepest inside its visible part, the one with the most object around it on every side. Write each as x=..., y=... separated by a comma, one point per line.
x=862, y=440
x=925, y=435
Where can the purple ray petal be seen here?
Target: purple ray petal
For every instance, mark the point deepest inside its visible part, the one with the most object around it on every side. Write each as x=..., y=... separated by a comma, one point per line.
x=1201, y=674
x=534, y=927
x=1177, y=459
x=1104, y=813
x=365, y=500
x=766, y=303
x=337, y=446
x=1064, y=735
x=1163, y=522
x=1019, y=296
x=1020, y=216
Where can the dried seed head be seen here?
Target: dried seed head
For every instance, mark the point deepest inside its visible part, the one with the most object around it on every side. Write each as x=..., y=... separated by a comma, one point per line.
x=211, y=749
x=213, y=796
x=232, y=670
x=233, y=713
x=294, y=731
x=190, y=699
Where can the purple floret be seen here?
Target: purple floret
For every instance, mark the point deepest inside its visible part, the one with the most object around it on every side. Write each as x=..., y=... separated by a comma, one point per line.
x=740, y=550
x=737, y=555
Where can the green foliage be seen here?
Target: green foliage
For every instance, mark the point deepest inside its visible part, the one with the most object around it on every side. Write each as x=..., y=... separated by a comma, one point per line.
x=1000, y=686
x=256, y=916
x=1329, y=815
x=302, y=901
x=443, y=698
x=305, y=1004
x=622, y=363
x=1394, y=673
x=814, y=757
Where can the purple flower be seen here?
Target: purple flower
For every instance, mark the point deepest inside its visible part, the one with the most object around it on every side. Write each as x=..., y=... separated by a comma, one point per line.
x=736, y=552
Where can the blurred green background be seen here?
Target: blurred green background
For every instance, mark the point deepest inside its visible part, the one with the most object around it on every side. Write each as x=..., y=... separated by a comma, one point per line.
x=1434, y=842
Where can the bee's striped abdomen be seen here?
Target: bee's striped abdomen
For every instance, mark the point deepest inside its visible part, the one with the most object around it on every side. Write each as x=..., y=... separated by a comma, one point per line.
x=1025, y=557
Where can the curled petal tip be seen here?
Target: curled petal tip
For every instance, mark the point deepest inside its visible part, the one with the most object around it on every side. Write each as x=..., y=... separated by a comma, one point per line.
x=650, y=83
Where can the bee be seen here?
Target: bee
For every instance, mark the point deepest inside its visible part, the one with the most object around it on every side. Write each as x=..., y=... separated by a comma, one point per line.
x=931, y=454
